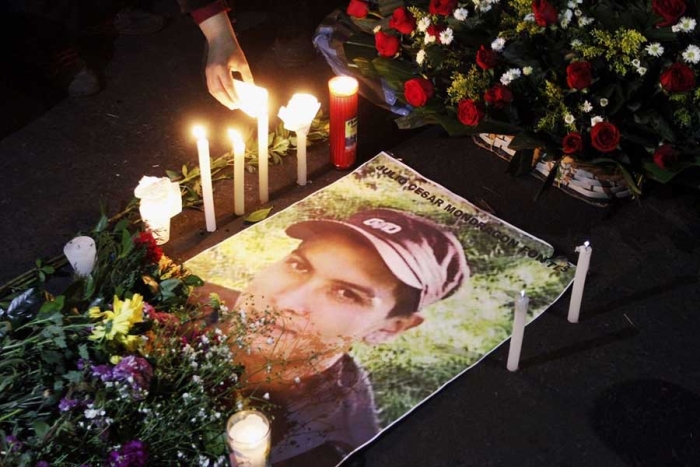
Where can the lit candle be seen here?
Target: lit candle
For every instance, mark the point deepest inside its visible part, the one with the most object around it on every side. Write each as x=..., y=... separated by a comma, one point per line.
x=516, y=341
x=160, y=200
x=297, y=117
x=584, y=259
x=343, y=121
x=253, y=100
x=205, y=174
x=81, y=253
x=248, y=437
x=238, y=172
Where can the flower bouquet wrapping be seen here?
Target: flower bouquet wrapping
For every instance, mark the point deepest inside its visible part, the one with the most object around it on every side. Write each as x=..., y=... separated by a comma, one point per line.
x=116, y=367
x=609, y=83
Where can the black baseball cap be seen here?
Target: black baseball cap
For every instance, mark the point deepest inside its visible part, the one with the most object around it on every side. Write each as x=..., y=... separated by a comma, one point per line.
x=417, y=251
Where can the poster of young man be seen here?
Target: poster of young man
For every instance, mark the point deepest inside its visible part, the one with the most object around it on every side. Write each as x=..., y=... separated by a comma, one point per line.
x=367, y=297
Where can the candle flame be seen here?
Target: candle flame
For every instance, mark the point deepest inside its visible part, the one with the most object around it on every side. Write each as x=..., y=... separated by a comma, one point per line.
x=586, y=243
x=252, y=99
x=199, y=132
x=343, y=85
x=522, y=293
x=237, y=140
x=300, y=111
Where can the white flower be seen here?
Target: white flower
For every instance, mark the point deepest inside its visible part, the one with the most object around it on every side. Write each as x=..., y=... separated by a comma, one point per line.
x=692, y=54
x=529, y=18
x=565, y=18
x=527, y=70
x=636, y=63
x=423, y=24
x=571, y=4
x=447, y=36
x=420, y=57
x=461, y=14
x=568, y=118
x=603, y=102
x=297, y=380
x=429, y=38
x=584, y=21
x=266, y=396
x=498, y=44
x=576, y=43
x=586, y=106
x=92, y=413
x=578, y=12
x=596, y=120
x=654, y=49
x=641, y=70
x=377, y=29
x=685, y=24
x=510, y=75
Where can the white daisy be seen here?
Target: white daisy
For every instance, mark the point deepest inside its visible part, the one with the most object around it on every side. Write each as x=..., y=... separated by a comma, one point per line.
x=565, y=18
x=586, y=106
x=461, y=14
x=578, y=12
x=510, y=75
x=654, y=49
x=641, y=70
x=568, y=118
x=596, y=120
x=423, y=24
x=685, y=24
x=527, y=70
x=603, y=102
x=420, y=57
x=429, y=38
x=584, y=21
x=498, y=44
x=576, y=43
x=530, y=18
x=692, y=54
x=447, y=36
x=636, y=63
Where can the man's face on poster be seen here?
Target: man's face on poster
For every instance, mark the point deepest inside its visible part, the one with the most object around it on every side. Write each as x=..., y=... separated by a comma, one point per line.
x=331, y=291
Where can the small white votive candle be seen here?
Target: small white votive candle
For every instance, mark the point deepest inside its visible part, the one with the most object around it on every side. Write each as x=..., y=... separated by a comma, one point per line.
x=248, y=437
x=516, y=341
x=584, y=259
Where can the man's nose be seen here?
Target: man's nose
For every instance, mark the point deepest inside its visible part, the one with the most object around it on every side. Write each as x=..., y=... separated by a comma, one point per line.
x=294, y=299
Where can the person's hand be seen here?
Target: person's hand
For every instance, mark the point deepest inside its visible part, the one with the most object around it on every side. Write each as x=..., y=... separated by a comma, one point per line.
x=225, y=55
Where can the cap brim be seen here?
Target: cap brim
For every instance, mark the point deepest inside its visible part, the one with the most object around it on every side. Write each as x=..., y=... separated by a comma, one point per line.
x=305, y=230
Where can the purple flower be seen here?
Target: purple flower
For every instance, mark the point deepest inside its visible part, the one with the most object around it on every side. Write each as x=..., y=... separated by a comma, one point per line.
x=67, y=404
x=13, y=443
x=137, y=372
x=42, y=464
x=104, y=372
x=132, y=454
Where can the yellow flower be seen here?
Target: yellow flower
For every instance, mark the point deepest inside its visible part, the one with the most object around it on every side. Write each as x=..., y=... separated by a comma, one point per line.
x=117, y=323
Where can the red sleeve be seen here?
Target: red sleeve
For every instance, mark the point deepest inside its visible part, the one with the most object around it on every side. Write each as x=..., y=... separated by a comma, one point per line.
x=205, y=12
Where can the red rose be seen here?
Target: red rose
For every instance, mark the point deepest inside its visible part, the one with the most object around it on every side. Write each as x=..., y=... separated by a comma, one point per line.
x=417, y=91
x=669, y=10
x=605, y=137
x=545, y=13
x=678, y=78
x=442, y=7
x=578, y=75
x=358, y=8
x=387, y=45
x=469, y=112
x=499, y=96
x=435, y=30
x=486, y=58
x=665, y=155
x=572, y=144
x=146, y=241
x=402, y=21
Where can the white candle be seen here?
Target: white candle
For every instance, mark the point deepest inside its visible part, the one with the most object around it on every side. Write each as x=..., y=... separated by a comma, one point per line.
x=516, y=341
x=584, y=259
x=263, y=127
x=238, y=172
x=297, y=117
x=205, y=174
x=81, y=253
x=248, y=437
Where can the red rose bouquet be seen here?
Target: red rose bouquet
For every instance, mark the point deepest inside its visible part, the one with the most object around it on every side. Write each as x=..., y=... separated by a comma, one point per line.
x=613, y=83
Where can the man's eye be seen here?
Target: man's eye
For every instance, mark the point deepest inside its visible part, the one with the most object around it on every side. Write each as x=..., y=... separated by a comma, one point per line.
x=347, y=295
x=297, y=265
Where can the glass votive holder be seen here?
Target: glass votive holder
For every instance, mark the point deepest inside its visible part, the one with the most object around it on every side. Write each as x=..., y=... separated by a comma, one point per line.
x=248, y=438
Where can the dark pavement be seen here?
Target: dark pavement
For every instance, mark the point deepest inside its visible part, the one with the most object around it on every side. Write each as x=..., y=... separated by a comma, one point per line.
x=622, y=387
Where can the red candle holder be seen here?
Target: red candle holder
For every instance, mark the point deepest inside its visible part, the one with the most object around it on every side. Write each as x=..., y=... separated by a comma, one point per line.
x=343, y=121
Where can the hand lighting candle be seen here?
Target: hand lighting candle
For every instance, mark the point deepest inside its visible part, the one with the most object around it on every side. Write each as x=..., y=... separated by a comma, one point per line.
x=253, y=100
x=205, y=174
x=248, y=437
x=238, y=172
x=81, y=253
x=297, y=117
x=516, y=341
x=584, y=259
x=343, y=121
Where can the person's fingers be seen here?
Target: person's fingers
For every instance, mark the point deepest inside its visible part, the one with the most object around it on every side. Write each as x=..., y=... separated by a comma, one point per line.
x=218, y=90
x=247, y=76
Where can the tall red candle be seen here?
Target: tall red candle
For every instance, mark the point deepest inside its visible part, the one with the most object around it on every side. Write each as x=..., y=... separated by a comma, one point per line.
x=343, y=121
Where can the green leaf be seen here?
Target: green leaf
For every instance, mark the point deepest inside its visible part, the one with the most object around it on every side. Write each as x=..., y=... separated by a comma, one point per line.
x=184, y=170
x=172, y=175
x=24, y=306
x=259, y=215
x=127, y=244
x=169, y=285
x=41, y=428
x=193, y=281
x=666, y=175
x=52, y=306
x=102, y=224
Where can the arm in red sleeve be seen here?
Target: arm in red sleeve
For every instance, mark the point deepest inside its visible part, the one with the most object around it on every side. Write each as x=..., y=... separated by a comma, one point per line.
x=201, y=10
